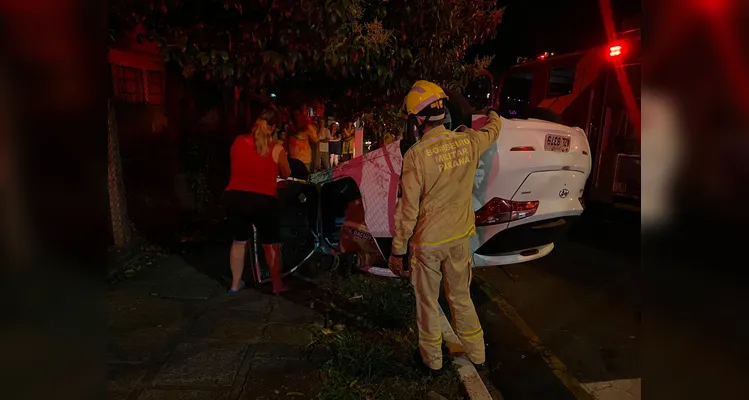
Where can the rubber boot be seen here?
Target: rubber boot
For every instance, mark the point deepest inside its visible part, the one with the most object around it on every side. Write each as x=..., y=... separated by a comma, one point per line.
x=272, y=257
x=424, y=368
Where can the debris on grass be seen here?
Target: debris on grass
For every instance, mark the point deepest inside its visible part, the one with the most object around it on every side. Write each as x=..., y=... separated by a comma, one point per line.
x=125, y=263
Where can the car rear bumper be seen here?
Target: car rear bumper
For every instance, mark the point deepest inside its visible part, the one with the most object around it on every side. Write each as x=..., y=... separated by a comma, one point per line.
x=523, y=242
x=512, y=258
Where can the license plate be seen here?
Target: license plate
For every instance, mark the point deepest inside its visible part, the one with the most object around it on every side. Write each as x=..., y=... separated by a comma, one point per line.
x=557, y=143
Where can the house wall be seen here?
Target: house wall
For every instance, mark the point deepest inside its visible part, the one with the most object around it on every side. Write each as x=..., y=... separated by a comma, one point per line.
x=148, y=137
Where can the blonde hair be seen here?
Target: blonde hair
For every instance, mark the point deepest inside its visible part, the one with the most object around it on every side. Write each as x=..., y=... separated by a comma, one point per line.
x=263, y=139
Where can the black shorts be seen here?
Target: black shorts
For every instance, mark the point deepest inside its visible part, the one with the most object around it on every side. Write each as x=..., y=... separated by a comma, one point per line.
x=245, y=209
x=335, y=148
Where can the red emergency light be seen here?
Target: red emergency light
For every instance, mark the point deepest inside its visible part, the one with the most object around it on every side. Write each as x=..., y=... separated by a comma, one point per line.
x=615, y=51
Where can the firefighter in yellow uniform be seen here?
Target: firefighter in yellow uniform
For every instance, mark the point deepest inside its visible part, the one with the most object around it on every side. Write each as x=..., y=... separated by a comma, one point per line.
x=434, y=219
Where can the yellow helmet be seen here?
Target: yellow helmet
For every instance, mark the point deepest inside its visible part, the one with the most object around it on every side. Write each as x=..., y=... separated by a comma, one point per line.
x=425, y=98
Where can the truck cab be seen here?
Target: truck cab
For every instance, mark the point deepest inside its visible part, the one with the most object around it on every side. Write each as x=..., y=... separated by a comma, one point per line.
x=597, y=90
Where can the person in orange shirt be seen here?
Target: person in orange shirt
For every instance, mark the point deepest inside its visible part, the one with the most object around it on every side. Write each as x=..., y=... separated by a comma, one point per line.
x=301, y=142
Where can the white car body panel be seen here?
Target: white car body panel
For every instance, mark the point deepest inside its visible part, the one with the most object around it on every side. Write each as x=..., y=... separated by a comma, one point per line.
x=536, y=175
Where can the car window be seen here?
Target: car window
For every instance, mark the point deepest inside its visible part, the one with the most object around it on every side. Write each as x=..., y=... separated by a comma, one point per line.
x=478, y=92
x=561, y=81
x=515, y=97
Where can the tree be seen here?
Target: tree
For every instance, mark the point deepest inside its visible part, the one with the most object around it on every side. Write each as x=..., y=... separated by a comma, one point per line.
x=368, y=53
x=117, y=200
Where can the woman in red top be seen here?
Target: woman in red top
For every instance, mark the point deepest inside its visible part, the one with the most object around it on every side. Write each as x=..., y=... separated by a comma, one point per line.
x=251, y=197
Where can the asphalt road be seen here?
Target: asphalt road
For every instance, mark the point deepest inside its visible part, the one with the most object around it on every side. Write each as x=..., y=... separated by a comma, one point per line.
x=564, y=326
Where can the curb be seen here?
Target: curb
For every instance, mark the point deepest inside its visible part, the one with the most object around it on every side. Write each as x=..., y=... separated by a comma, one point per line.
x=470, y=378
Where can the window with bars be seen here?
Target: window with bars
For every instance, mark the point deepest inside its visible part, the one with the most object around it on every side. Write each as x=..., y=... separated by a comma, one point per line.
x=154, y=87
x=128, y=84
x=137, y=86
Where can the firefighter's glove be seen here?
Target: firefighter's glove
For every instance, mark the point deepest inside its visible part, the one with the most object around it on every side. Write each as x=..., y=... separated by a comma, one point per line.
x=395, y=263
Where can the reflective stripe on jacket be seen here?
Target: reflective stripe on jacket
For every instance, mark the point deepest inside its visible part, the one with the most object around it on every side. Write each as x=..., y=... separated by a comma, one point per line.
x=436, y=185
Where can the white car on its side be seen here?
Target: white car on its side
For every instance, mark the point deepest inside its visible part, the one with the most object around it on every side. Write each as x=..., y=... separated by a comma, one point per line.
x=527, y=190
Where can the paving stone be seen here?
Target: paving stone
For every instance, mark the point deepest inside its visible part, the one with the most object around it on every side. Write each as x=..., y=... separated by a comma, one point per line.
x=161, y=394
x=138, y=346
x=228, y=327
x=279, y=350
x=146, y=328
x=152, y=311
x=299, y=335
x=153, y=276
x=285, y=311
x=122, y=377
x=288, y=366
x=192, y=285
x=173, y=278
x=282, y=379
x=202, y=364
x=117, y=394
x=251, y=301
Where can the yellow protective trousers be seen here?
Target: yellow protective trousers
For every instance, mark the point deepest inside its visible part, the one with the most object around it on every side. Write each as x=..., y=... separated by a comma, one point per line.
x=428, y=264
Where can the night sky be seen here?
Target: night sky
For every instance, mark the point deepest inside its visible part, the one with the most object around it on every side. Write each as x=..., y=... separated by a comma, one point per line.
x=531, y=27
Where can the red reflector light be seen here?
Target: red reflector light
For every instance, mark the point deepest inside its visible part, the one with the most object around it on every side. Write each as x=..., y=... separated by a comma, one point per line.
x=615, y=51
x=497, y=211
x=523, y=148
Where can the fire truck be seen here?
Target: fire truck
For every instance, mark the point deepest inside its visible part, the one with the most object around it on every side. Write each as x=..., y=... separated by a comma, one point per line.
x=597, y=90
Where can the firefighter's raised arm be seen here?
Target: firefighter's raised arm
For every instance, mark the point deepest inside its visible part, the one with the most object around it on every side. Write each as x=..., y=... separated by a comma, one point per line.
x=407, y=210
x=487, y=135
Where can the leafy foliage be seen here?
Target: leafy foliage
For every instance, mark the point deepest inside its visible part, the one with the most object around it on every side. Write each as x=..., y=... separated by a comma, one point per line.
x=366, y=52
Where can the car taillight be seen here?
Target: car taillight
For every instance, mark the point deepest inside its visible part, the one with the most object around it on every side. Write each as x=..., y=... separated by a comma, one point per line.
x=499, y=210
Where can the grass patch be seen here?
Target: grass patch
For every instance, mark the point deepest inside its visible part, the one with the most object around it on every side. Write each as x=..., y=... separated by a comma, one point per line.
x=371, y=344
x=379, y=302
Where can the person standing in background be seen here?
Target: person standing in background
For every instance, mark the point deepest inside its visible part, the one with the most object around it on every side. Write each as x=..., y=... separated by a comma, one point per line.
x=301, y=142
x=348, y=142
x=315, y=147
x=251, y=198
x=280, y=135
x=323, y=134
x=335, y=145
x=387, y=138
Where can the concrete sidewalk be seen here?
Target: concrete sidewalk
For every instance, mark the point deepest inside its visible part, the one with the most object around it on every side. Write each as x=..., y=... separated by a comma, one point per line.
x=175, y=334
